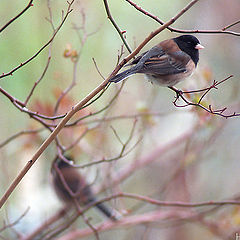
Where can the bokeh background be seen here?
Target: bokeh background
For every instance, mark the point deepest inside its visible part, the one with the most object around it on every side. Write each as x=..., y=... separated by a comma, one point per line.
x=204, y=166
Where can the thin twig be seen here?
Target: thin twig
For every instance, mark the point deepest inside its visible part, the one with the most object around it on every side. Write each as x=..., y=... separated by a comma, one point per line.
x=221, y=31
x=231, y=25
x=116, y=26
x=69, y=10
x=16, y=135
x=38, y=81
x=16, y=221
x=15, y=18
x=96, y=66
x=116, y=135
x=214, y=85
x=209, y=109
x=82, y=40
x=21, y=106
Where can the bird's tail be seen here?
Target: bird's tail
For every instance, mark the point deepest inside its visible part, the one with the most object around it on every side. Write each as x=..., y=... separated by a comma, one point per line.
x=123, y=75
x=109, y=212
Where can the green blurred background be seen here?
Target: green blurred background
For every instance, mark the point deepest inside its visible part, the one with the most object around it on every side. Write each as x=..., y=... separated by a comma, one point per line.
x=212, y=174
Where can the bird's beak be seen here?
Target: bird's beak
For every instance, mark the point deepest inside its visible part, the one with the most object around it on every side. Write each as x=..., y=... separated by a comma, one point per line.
x=199, y=46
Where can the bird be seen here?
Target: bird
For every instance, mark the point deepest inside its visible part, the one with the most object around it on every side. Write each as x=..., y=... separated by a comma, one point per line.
x=70, y=186
x=167, y=63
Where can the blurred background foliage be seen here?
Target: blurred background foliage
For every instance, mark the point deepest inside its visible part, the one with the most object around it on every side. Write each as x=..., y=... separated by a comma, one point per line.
x=211, y=173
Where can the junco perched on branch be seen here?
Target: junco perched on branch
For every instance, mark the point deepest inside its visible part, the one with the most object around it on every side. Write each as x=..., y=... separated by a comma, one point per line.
x=70, y=185
x=168, y=63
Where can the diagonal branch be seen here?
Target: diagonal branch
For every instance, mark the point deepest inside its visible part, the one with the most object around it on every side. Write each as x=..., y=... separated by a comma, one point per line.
x=15, y=18
x=116, y=26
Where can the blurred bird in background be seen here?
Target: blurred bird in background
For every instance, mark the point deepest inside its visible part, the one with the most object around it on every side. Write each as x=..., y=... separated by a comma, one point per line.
x=70, y=186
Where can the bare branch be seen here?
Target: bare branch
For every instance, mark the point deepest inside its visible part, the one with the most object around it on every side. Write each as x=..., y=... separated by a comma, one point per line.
x=38, y=81
x=231, y=25
x=69, y=10
x=15, y=18
x=121, y=33
x=16, y=221
x=220, y=31
x=219, y=112
x=16, y=135
x=144, y=218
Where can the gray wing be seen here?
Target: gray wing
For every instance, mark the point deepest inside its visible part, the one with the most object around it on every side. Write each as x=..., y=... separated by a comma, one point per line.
x=156, y=61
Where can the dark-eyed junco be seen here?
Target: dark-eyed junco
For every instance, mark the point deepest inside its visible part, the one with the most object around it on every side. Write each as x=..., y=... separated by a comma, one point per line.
x=70, y=185
x=168, y=63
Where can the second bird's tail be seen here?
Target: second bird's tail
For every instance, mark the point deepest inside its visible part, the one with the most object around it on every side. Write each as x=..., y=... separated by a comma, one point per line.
x=109, y=212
